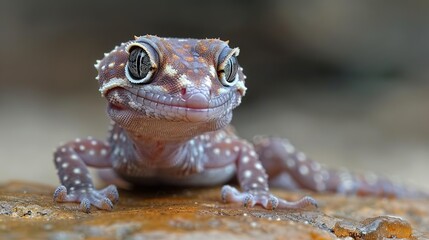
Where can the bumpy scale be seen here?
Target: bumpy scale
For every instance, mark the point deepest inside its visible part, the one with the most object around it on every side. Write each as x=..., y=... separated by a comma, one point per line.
x=171, y=103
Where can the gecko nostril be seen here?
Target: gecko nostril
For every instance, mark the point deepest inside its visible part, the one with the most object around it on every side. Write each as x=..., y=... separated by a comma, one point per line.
x=183, y=91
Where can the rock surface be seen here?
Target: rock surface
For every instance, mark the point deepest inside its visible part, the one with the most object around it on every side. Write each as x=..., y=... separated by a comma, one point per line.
x=28, y=212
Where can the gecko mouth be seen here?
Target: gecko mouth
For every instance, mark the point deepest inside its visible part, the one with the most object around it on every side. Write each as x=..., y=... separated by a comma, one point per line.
x=154, y=105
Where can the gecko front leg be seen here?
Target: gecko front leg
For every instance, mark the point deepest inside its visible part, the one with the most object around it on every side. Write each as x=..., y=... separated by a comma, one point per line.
x=254, y=182
x=71, y=161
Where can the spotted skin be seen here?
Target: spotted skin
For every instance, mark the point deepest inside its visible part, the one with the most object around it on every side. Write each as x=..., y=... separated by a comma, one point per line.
x=171, y=107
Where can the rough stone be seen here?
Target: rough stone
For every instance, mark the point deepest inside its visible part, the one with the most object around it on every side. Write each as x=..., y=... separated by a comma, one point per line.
x=28, y=212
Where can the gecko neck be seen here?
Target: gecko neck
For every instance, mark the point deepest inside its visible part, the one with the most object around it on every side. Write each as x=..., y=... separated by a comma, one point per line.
x=159, y=153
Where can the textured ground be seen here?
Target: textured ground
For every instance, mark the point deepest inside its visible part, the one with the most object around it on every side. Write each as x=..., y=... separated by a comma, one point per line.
x=27, y=211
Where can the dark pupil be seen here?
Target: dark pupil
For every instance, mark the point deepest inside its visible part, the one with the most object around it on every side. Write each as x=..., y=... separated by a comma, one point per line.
x=139, y=63
x=230, y=69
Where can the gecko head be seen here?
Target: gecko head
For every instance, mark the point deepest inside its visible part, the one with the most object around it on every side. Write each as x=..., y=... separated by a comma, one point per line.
x=166, y=87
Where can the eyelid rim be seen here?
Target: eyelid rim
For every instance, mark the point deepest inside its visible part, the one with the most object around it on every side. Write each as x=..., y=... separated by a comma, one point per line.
x=152, y=57
x=234, y=52
x=149, y=50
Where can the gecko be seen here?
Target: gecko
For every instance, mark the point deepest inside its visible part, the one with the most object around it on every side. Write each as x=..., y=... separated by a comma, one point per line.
x=171, y=102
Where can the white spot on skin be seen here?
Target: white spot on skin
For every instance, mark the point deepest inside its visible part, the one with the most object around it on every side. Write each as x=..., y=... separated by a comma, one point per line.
x=236, y=149
x=72, y=189
x=123, y=138
x=316, y=166
x=103, y=67
x=258, y=166
x=91, y=152
x=303, y=170
x=252, y=153
x=77, y=140
x=170, y=71
x=301, y=157
x=74, y=157
x=64, y=165
x=82, y=147
x=76, y=171
x=77, y=182
x=65, y=178
x=115, y=136
x=247, y=174
x=58, y=159
x=261, y=179
x=254, y=185
x=103, y=152
x=212, y=70
x=216, y=151
x=63, y=150
x=93, y=142
x=245, y=159
x=290, y=163
x=289, y=148
x=208, y=81
x=227, y=153
x=222, y=90
x=184, y=81
x=111, y=65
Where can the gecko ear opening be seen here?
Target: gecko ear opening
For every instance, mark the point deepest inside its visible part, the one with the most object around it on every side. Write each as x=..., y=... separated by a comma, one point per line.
x=140, y=67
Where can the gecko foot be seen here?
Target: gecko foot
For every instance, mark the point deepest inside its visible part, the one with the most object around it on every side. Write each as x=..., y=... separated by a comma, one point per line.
x=263, y=198
x=102, y=199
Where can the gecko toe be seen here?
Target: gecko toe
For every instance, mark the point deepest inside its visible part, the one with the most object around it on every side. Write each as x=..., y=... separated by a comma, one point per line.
x=85, y=205
x=272, y=203
x=303, y=203
x=249, y=200
x=102, y=199
x=60, y=194
x=228, y=193
x=105, y=204
x=111, y=193
x=310, y=201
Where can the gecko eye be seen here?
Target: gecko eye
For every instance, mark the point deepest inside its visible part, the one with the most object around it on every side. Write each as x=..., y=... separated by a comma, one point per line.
x=139, y=67
x=228, y=69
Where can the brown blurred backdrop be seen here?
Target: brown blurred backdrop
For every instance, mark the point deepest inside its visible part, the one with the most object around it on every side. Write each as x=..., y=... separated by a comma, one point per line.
x=347, y=82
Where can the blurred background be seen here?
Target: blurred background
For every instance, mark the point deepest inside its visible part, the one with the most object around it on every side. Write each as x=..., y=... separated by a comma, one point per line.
x=347, y=82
